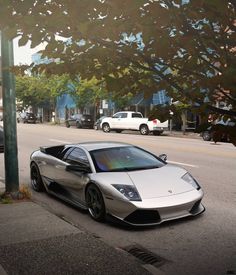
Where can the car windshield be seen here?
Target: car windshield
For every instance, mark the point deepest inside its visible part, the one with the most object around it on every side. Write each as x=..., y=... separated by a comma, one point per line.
x=76, y=116
x=125, y=158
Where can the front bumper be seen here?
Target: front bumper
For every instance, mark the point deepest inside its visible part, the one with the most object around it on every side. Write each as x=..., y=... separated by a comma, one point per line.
x=158, y=210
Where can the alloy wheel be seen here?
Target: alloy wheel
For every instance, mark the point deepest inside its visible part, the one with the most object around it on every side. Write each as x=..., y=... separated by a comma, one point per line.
x=95, y=203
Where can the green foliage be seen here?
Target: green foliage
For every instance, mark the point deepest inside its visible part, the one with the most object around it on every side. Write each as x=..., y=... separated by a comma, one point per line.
x=88, y=92
x=187, y=49
x=36, y=90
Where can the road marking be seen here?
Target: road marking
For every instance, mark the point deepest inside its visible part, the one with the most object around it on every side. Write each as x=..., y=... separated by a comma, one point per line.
x=184, y=164
x=60, y=141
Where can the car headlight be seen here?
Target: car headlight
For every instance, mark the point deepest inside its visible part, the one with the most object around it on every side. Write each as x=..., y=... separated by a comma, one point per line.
x=130, y=192
x=189, y=179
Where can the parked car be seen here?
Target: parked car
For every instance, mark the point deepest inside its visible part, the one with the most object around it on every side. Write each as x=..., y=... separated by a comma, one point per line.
x=97, y=124
x=127, y=120
x=117, y=179
x=80, y=121
x=1, y=140
x=219, y=131
x=26, y=118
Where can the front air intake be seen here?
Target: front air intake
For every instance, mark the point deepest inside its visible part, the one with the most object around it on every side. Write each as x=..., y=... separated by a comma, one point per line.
x=143, y=217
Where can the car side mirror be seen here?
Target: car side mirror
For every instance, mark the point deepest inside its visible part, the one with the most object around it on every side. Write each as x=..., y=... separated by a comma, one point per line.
x=163, y=157
x=77, y=168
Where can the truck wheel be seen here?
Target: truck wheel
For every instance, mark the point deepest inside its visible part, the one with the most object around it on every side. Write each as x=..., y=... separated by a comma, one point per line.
x=106, y=127
x=144, y=130
x=157, y=133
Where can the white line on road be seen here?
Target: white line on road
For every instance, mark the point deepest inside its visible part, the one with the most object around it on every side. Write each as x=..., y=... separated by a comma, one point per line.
x=60, y=141
x=184, y=164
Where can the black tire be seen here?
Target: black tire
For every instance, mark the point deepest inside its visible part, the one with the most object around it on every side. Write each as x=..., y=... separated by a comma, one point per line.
x=206, y=136
x=67, y=124
x=144, y=130
x=106, y=127
x=36, y=180
x=157, y=133
x=118, y=131
x=95, y=203
x=78, y=125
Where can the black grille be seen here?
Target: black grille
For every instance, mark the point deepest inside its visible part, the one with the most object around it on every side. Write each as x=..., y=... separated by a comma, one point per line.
x=144, y=255
x=143, y=217
x=195, y=208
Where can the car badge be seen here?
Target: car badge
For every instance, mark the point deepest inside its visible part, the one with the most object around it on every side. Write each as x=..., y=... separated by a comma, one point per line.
x=170, y=191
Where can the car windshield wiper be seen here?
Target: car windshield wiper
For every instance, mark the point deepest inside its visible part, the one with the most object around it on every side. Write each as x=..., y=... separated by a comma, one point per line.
x=128, y=169
x=150, y=167
x=123, y=169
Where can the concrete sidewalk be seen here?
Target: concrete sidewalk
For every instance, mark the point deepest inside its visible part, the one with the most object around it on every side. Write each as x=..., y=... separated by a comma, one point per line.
x=34, y=241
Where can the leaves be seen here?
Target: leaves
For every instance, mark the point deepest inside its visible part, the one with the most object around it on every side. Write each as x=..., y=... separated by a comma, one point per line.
x=135, y=45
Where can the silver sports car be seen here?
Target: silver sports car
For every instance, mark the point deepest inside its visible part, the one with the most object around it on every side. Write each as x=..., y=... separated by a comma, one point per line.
x=117, y=179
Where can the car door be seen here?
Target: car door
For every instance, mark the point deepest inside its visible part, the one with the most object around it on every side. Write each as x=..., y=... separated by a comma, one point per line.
x=119, y=121
x=75, y=181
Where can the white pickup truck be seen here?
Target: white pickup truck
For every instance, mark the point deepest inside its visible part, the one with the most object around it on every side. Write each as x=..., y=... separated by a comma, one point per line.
x=128, y=120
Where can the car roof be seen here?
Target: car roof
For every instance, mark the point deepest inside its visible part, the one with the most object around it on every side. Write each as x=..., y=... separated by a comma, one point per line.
x=95, y=145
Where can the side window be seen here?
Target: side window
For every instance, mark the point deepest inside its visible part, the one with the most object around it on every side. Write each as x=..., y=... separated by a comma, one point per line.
x=77, y=157
x=123, y=115
x=117, y=115
x=136, y=115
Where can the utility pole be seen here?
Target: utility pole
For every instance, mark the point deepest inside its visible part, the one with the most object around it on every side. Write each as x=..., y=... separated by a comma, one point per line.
x=9, y=117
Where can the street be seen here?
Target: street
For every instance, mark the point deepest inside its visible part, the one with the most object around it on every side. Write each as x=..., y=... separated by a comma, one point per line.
x=202, y=245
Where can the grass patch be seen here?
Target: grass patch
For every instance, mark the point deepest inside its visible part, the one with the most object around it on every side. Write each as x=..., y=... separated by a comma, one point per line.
x=23, y=194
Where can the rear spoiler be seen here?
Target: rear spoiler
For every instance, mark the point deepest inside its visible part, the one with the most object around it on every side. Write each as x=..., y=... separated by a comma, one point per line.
x=51, y=150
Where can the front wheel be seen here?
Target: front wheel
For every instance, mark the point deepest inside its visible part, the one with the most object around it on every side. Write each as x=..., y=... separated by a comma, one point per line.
x=206, y=136
x=78, y=125
x=106, y=127
x=36, y=180
x=144, y=130
x=95, y=203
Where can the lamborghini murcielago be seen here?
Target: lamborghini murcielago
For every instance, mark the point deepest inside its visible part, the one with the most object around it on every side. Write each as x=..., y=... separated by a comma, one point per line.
x=117, y=179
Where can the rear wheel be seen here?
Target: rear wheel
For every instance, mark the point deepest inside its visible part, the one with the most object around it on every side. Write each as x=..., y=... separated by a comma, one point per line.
x=106, y=127
x=144, y=130
x=67, y=124
x=36, y=180
x=95, y=203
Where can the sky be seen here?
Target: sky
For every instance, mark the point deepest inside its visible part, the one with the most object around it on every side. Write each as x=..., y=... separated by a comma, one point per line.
x=22, y=55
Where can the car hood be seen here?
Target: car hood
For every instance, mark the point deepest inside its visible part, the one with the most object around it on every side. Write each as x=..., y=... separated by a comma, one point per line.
x=151, y=183
x=160, y=182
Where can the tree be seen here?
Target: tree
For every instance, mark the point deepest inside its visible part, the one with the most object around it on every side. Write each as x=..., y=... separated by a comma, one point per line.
x=87, y=92
x=184, y=47
x=36, y=90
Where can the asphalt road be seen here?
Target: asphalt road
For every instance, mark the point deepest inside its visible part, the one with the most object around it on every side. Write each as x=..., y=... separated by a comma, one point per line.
x=202, y=245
